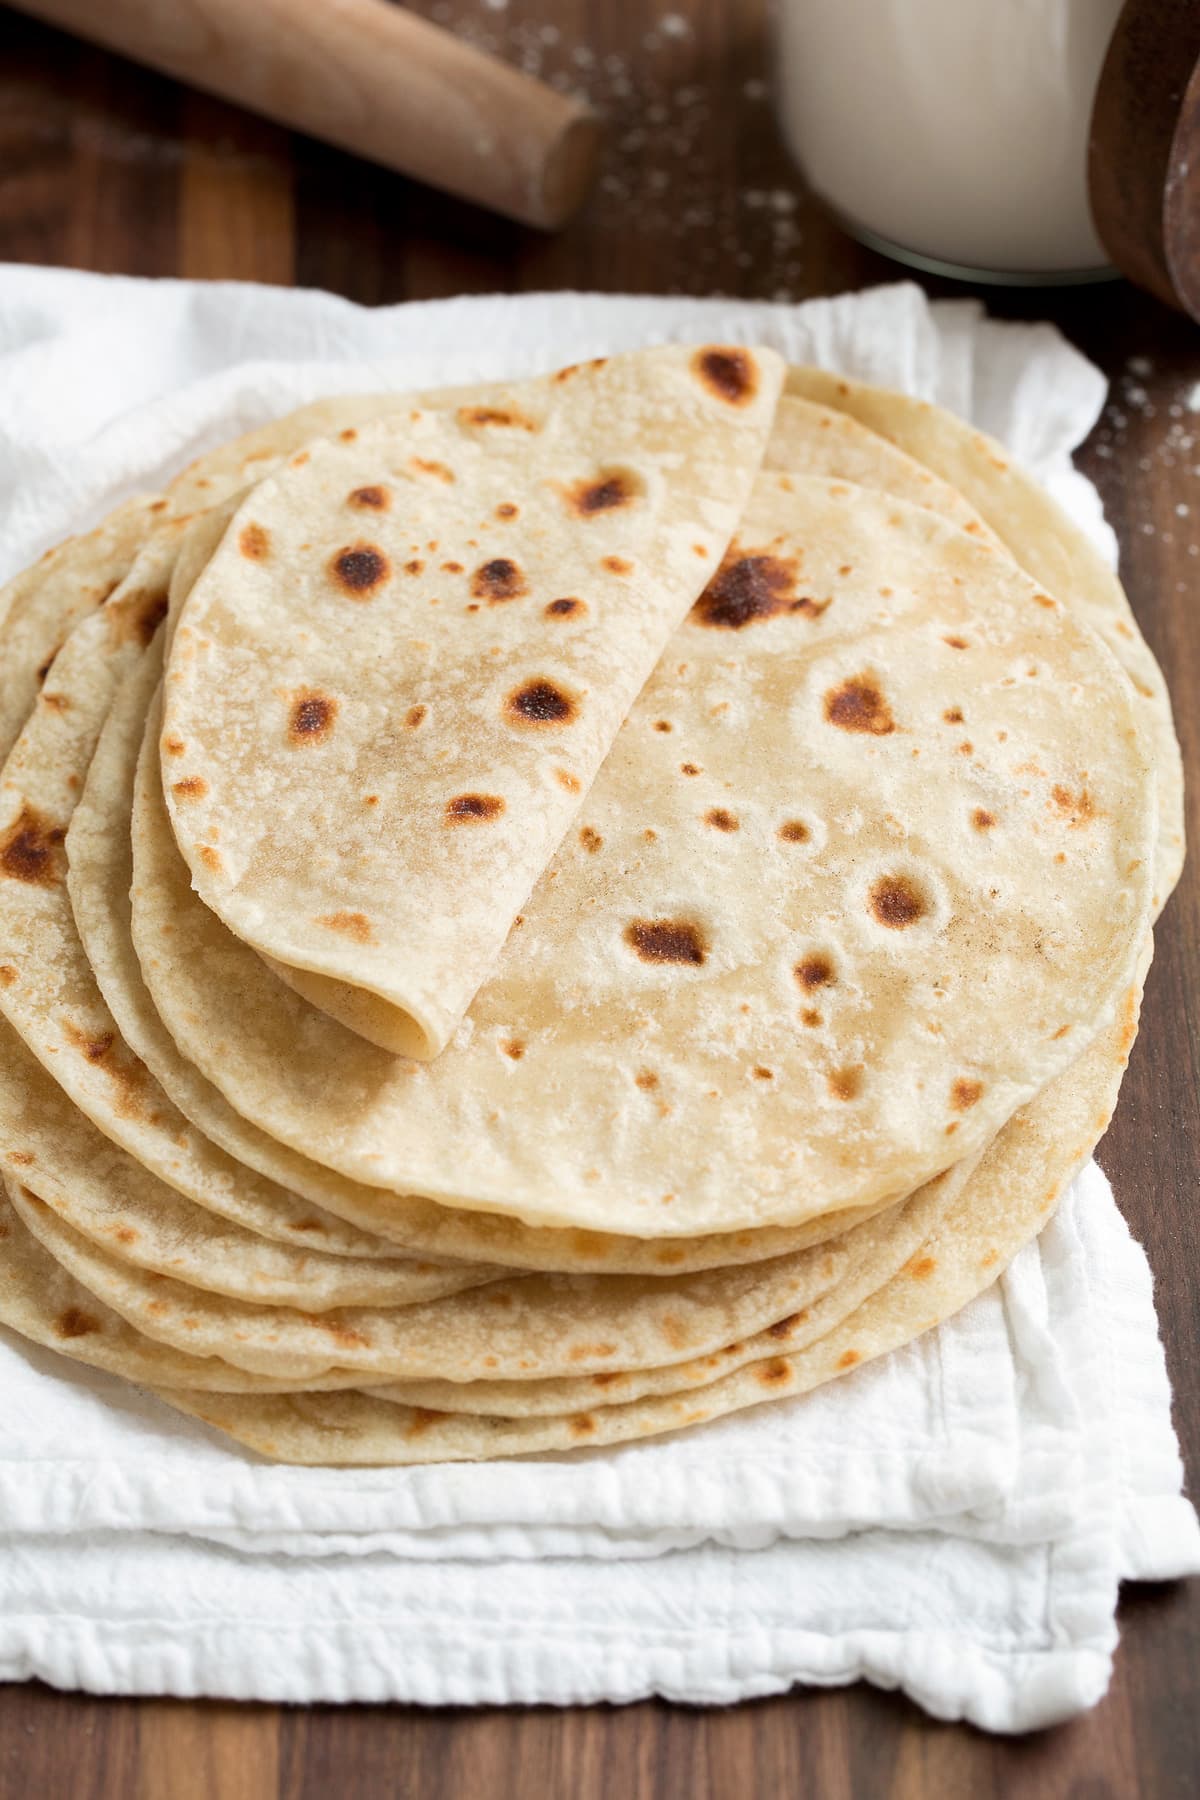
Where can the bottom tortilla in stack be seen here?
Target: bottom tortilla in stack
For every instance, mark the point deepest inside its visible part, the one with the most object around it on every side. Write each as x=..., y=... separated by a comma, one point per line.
x=137, y=1255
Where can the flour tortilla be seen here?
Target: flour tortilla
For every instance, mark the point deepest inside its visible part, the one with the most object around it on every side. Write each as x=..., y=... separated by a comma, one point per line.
x=923, y=1040
x=908, y=1226
x=1019, y=1181
x=810, y=439
x=47, y=989
x=522, y=1328
x=1045, y=542
x=98, y=878
x=40, y=606
x=48, y=1144
x=50, y=1308
x=378, y=726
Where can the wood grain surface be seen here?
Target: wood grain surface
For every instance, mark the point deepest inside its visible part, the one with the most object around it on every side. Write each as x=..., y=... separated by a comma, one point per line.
x=103, y=166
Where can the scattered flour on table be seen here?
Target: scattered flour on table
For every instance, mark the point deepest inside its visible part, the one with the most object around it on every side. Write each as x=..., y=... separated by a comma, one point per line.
x=666, y=177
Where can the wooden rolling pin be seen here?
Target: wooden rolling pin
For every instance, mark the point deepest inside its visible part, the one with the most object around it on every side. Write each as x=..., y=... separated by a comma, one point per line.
x=370, y=78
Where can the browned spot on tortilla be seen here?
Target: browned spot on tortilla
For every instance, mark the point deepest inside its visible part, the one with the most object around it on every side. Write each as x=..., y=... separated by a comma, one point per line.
x=982, y=819
x=1128, y=1021
x=590, y=839
x=473, y=809
x=956, y=643
x=127, y=1072
x=814, y=972
x=749, y=587
x=174, y=746
x=663, y=725
x=859, y=705
x=1045, y=600
x=415, y=716
x=540, y=704
x=565, y=608
x=370, y=499
x=140, y=616
x=689, y=768
x=770, y=1374
x=964, y=1093
x=572, y=783
x=646, y=1079
x=794, y=831
x=308, y=1225
x=95, y=1049
x=607, y=1377
x=24, y=1159
x=311, y=718
x=299, y=460
x=846, y=1084
x=452, y=568
x=495, y=415
x=584, y=1352
x=727, y=371
x=667, y=941
x=616, y=565
x=583, y=1425
x=920, y=1268
x=31, y=849
x=650, y=835
x=354, y=925
x=75, y=1323
x=897, y=902
x=348, y=1336
x=7, y=975
x=763, y=1074
x=254, y=541
x=44, y=668
x=783, y=1328
x=126, y=1234
x=810, y=1016
x=438, y=470
x=348, y=435
x=674, y=1330
x=359, y=570
x=415, y=567
x=848, y=1359
x=498, y=580
x=514, y=1048
x=992, y=1257
x=720, y=819
x=192, y=787
x=420, y=1419
x=210, y=858
x=605, y=492
x=953, y=715
x=58, y=703
x=1061, y=1032
x=1079, y=809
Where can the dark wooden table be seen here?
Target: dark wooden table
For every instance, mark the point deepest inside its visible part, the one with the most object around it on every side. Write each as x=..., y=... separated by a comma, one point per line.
x=103, y=166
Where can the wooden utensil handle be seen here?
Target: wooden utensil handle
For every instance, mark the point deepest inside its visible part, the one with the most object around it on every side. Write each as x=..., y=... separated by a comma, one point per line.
x=371, y=78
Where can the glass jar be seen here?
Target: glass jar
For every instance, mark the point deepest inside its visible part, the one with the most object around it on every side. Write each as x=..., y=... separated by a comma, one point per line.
x=952, y=134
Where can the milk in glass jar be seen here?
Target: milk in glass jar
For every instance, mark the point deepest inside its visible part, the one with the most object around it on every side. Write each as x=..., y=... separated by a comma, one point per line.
x=952, y=134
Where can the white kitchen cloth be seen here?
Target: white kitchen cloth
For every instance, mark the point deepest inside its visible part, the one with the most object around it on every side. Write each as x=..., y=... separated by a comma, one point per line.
x=954, y=1519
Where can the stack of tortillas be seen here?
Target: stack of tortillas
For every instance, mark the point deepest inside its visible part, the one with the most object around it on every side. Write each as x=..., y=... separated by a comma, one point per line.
x=540, y=916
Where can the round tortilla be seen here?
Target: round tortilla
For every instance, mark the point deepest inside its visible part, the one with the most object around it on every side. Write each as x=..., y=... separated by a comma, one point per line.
x=973, y=915
x=1019, y=1181
x=1046, y=542
x=393, y=683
